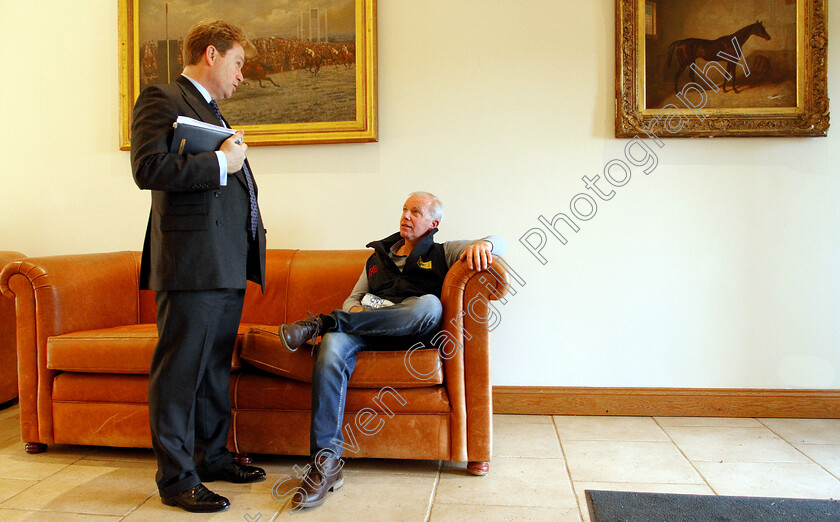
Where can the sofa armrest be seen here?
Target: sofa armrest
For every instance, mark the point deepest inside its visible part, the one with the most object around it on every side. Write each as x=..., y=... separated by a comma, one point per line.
x=56, y=295
x=8, y=346
x=468, y=319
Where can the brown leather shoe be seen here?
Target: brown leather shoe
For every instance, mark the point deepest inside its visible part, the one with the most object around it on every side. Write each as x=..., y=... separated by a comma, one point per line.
x=198, y=499
x=295, y=334
x=314, y=487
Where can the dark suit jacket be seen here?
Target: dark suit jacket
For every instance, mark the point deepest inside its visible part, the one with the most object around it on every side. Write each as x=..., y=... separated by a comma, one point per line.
x=197, y=237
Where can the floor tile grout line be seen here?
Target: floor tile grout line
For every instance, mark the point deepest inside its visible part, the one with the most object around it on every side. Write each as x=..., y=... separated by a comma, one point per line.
x=566, y=466
x=136, y=507
x=740, y=460
x=493, y=504
x=37, y=481
x=690, y=462
x=574, y=485
x=434, y=492
x=799, y=450
x=21, y=491
x=63, y=512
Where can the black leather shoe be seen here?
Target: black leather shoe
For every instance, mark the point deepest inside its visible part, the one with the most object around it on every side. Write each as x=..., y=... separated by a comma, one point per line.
x=236, y=473
x=295, y=334
x=313, y=490
x=197, y=500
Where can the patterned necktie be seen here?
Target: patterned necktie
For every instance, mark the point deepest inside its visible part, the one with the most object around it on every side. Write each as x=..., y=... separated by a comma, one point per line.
x=252, y=196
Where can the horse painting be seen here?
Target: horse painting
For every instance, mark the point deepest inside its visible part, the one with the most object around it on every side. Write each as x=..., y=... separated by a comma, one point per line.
x=685, y=52
x=256, y=71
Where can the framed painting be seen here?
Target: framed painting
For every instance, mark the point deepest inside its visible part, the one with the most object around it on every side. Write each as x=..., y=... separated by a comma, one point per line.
x=313, y=79
x=705, y=68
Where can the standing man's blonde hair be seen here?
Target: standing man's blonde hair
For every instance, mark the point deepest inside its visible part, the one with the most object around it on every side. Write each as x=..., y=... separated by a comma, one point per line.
x=218, y=33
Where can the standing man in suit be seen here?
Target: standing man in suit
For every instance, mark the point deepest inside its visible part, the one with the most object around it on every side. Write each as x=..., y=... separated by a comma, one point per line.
x=204, y=240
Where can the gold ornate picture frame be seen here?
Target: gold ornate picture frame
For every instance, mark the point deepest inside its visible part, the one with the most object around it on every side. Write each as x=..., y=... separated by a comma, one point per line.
x=765, y=75
x=313, y=80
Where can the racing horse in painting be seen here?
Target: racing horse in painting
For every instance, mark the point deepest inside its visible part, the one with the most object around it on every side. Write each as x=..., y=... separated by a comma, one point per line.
x=685, y=52
x=257, y=71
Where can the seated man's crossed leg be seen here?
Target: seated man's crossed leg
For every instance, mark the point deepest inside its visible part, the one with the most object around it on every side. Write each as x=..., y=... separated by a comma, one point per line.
x=344, y=334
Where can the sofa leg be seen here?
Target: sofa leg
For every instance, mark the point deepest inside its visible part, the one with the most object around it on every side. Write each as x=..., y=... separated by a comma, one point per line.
x=478, y=468
x=35, y=447
x=242, y=459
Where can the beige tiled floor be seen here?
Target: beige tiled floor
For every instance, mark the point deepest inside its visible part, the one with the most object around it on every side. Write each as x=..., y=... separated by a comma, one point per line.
x=541, y=467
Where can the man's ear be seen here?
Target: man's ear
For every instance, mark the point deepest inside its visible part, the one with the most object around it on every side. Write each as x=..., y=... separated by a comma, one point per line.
x=210, y=55
x=435, y=223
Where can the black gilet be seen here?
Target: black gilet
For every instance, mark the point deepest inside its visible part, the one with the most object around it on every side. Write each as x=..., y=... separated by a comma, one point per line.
x=424, y=271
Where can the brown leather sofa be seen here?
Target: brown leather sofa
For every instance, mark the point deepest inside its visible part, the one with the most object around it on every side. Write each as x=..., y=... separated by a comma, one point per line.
x=8, y=354
x=85, y=337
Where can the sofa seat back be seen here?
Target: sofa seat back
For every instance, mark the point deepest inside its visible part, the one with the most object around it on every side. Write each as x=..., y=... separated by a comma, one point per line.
x=297, y=282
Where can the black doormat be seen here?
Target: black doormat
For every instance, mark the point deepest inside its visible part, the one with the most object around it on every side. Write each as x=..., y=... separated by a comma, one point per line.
x=614, y=506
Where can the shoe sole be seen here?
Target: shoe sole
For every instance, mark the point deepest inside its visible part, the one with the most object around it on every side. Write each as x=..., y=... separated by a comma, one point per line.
x=168, y=502
x=283, y=340
x=316, y=503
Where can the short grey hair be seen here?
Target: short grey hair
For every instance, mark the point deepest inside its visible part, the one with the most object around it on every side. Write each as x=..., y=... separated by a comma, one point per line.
x=435, y=206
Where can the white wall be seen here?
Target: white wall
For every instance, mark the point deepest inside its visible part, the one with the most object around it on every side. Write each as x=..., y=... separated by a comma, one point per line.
x=719, y=269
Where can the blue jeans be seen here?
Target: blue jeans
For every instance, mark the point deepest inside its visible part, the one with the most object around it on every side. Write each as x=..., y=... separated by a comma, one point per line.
x=397, y=326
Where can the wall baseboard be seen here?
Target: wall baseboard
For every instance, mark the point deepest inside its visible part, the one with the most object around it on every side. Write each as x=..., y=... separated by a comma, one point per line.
x=667, y=402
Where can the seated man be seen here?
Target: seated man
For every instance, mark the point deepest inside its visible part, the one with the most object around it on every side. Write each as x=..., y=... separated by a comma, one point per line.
x=395, y=304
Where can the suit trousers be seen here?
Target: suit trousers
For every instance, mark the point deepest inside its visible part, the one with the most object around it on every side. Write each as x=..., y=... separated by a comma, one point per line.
x=189, y=384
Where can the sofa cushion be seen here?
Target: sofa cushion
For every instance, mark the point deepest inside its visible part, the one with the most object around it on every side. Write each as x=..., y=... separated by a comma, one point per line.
x=91, y=387
x=259, y=392
x=262, y=348
x=122, y=349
